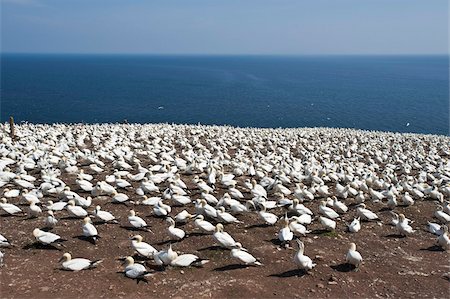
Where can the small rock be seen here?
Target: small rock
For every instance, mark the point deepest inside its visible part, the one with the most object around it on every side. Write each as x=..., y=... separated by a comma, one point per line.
x=332, y=282
x=320, y=285
x=318, y=257
x=333, y=278
x=182, y=272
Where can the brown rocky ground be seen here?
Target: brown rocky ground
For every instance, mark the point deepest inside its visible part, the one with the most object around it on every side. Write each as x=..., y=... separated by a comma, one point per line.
x=393, y=266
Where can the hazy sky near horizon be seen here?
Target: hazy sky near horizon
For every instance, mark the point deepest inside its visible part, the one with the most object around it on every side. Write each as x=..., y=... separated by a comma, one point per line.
x=225, y=26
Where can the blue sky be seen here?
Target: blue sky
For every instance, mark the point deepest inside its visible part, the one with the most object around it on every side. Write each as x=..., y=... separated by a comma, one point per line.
x=225, y=26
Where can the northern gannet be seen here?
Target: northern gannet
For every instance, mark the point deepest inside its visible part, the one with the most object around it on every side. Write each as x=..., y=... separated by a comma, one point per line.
x=353, y=257
x=75, y=211
x=50, y=220
x=136, y=221
x=135, y=271
x=302, y=261
x=223, y=238
x=45, y=238
x=9, y=207
x=77, y=264
x=142, y=248
x=104, y=216
x=89, y=230
x=174, y=232
x=242, y=254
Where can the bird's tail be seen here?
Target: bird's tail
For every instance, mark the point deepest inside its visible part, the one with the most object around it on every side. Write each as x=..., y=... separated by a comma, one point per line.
x=96, y=263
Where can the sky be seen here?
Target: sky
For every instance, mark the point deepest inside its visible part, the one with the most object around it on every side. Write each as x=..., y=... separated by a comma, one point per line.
x=264, y=27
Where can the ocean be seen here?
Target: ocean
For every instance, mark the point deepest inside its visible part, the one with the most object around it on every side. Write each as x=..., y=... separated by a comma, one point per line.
x=386, y=93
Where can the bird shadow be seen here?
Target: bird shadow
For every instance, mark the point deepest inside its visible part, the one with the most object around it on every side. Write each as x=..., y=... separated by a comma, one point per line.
x=71, y=218
x=197, y=234
x=384, y=209
x=275, y=241
x=344, y=267
x=84, y=238
x=134, y=229
x=167, y=242
x=214, y=247
x=258, y=225
x=433, y=248
x=37, y=245
x=231, y=267
x=11, y=215
x=290, y=273
x=395, y=236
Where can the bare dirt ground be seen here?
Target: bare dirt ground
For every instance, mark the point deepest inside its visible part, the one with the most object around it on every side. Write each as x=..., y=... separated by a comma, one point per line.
x=410, y=267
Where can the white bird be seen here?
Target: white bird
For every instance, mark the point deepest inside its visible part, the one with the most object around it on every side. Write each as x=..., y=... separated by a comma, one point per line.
x=33, y=210
x=298, y=228
x=434, y=228
x=403, y=227
x=11, y=193
x=443, y=240
x=9, y=207
x=89, y=230
x=299, y=208
x=223, y=238
x=57, y=206
x=136, y=221
x=302, y=261
x=267, y=217
x=303, y=219
x=135, y=271
x=353, y=257
x=285, y=234
x=207, y=210
x=339, y=206
x=175, y=232
x=258, y=190
x=165, y=257
x=364, y=213
x=50, y=220
x=151, y=201
x=119, y=197
x=183, y=217
x=75, y=211
x=4, y=242
x=204, y=225
x=327, y=223
x=242, y=254
x=104, y=216
x=77, y=264
x=441, y=215
x=45, y=238
x=161, y=209
x=186, y=260
x=180, y=200
x=226, y=217
x=326, y=211
x=355, y=225
x=142, y=248
x=407, y=199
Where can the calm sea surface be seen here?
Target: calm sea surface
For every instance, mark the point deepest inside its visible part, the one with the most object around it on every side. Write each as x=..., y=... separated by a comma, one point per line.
x=388, y=93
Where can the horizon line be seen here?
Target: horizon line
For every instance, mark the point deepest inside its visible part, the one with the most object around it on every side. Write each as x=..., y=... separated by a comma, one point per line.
x=221, y=54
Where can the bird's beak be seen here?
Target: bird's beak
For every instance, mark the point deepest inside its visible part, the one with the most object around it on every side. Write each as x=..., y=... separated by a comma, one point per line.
x=61, y=259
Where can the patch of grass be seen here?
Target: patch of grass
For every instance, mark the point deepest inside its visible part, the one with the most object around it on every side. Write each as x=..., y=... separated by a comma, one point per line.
x=330, y=234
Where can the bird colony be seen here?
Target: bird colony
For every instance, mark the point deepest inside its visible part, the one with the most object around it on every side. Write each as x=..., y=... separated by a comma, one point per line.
x=136, y=184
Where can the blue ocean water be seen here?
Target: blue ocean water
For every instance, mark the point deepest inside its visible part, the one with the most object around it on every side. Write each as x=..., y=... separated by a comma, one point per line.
x=366, y=92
